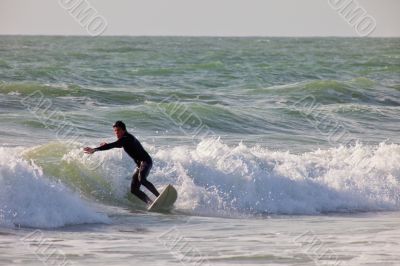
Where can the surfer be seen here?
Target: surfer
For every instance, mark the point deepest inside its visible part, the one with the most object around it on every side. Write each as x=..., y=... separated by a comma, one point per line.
x=136, y=151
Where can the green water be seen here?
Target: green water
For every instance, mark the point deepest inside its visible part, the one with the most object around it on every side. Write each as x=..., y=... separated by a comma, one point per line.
x=245, y=89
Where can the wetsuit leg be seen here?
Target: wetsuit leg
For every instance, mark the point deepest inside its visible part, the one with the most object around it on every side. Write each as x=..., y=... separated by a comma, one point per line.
x=143, y=173
x=135, y=188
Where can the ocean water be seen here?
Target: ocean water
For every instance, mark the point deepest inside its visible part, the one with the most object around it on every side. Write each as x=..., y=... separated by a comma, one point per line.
x=284, y=151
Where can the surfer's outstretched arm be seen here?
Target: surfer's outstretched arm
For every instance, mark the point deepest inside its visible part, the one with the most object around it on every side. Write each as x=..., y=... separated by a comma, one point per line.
x=104, y=146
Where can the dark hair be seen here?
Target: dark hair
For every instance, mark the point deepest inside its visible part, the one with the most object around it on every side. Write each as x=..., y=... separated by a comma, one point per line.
x=120, y=124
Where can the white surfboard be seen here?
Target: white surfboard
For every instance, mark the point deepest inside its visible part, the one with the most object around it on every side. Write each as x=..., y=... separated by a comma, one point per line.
x=165, y=200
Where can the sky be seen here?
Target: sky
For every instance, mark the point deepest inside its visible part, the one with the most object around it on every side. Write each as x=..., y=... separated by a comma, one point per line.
x=377, y=18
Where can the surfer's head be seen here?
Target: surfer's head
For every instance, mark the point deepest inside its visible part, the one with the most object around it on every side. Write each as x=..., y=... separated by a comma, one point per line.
x=119, y=129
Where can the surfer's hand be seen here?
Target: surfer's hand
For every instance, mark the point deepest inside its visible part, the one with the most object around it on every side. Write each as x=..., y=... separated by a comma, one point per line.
x=103, y=143
x=89, y=150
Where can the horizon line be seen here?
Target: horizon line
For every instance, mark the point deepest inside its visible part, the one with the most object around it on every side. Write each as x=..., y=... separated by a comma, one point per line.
x=200, y=36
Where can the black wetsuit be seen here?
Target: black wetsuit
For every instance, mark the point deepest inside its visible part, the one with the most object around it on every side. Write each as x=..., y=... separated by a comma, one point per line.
x=143, y=160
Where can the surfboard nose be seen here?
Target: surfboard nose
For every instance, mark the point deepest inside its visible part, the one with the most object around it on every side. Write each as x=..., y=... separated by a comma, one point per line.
x=165, y=201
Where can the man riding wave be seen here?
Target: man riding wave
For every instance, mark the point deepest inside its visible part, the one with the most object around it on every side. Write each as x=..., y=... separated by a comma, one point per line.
x=136, y=151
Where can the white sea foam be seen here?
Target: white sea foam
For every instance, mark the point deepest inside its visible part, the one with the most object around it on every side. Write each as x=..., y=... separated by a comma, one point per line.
x=212, y=178
x=217, y=178
x=29, y=198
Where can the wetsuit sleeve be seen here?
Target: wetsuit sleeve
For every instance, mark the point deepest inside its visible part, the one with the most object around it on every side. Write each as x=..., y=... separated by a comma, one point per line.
x=116, y=144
